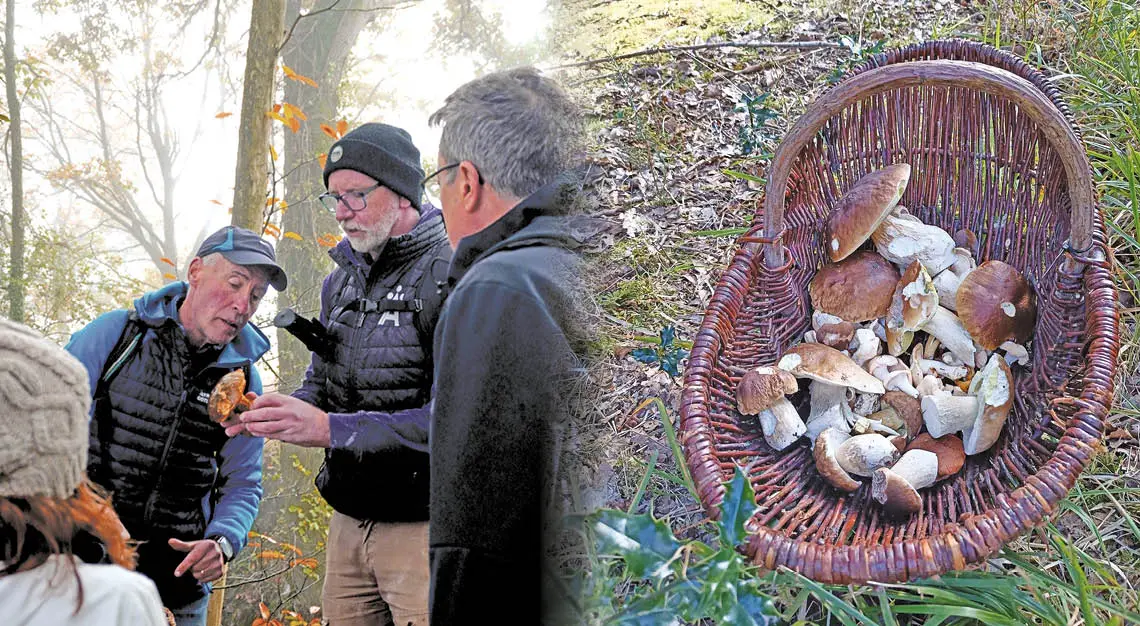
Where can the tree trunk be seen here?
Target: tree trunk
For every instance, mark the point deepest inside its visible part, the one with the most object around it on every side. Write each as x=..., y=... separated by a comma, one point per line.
x=318, y=47
x=266, y=28
x=16, y=269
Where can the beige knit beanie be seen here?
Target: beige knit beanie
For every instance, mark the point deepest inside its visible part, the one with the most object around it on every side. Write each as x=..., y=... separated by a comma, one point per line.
x=44, y=404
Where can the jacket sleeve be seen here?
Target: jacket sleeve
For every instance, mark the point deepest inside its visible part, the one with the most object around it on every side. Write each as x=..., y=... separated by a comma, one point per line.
x=93, y=343
x=369, y=432
x=238, y=493
x=500, y=360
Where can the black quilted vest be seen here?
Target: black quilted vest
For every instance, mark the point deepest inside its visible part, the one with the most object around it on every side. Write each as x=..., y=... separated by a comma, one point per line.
x=381, y=363
x=153, y=431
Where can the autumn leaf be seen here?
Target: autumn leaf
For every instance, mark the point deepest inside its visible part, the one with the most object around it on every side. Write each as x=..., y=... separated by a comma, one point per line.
x=277, y=108
x=272, y=229
x=217, y=203
x=263, y=609
x=310, y=563
x=292, y=111
x=167, y=261
x=169, y=276
x=321, y=158
x=341, y=127
x=277, y=116
x=273, y=152
x=270, y=201
x=290, y=546
x=328, y=130
x=259, y=621
x=282, y=206
x=292, y=235
x=294, y=124
x=223, y=115
x=271, y=555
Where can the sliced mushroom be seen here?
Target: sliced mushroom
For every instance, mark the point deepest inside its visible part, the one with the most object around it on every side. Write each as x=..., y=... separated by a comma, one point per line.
x=837, y=336
x=781, y=424
x=948, y=448
x=861, y=455
x=827, y=465
x=868, y=346
x=904, y=240
x=993, y=386
x=762, y=387
x=1015, y=353
x=996, y=304
x=914, y=300
x=856, y=289
x=893, y=373
x=862, y=209
x=866, y=425
x=897, y=488
x=908, y=410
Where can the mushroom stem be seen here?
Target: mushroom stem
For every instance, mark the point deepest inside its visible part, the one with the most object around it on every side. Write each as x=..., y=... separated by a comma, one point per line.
x=917, y=467
x=904, y=240
x=868, y=347
x=944, y=414
x=949, y=330
x=829, y=409
x=781, y=424
x=953, y=372
x=946, y=283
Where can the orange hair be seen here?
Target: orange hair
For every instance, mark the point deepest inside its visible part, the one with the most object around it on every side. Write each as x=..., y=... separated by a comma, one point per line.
x=37, y=527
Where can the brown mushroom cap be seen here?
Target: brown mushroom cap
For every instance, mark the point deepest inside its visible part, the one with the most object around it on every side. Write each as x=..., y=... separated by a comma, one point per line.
x=907, y=408
x=827, y=465
x=995, y=303
x=896, y=495
x=762, y=387
x=828, y=365
x=965, y=238
x=837, y=336
x=857, y=289
x=915, y=299
x=860, y=211
x=228, y=396
x=948, y=449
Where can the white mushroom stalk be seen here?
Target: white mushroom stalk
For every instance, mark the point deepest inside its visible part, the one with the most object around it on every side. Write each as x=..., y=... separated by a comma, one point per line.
x=919, y=468
x=781, y=424
x=895, y=375
x=868, y=346
x=904, y=239
x=829, y=409
x=944, y=413
x=949, y=330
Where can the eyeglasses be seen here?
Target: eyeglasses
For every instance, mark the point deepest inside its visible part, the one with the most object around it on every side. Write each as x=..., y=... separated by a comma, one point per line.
x=444, y=169
x=353, y=200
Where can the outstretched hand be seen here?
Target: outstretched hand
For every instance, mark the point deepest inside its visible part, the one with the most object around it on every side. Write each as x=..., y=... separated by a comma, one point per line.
x=284, y=418
x=204, y=559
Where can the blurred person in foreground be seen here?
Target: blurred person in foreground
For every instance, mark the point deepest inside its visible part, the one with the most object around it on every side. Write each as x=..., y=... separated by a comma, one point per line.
x=65, y=556
x=506, y=347
x=365, y=400
x=181, y=486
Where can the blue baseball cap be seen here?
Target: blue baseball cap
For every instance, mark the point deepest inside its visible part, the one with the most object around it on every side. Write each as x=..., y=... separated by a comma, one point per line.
x=245, y=247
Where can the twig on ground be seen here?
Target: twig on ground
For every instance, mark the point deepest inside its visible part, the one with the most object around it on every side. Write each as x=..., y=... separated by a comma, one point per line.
x=793, y=45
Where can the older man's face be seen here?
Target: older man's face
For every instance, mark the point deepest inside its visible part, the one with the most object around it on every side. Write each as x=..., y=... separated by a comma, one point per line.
x=368, y=228
x=223, y=297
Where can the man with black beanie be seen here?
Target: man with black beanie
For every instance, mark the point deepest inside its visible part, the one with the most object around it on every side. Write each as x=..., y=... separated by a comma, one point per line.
x=367, y=403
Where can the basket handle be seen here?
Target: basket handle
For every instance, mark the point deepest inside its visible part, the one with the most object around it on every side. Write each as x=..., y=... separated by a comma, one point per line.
x=938, y=73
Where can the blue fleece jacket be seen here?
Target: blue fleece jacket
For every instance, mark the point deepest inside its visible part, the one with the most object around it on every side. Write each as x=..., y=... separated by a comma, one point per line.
x=238, y=491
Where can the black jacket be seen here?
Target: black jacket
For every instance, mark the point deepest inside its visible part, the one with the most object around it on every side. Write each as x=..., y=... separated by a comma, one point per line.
x=504, y=362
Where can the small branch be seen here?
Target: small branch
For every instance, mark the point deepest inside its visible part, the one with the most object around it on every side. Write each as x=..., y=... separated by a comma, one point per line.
x=793, y=45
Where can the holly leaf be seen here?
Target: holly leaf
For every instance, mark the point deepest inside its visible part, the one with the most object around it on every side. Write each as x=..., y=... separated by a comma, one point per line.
x=738, y=505
x=647, y=545
x=645, y=355
x=671, y=360
x=667, y=335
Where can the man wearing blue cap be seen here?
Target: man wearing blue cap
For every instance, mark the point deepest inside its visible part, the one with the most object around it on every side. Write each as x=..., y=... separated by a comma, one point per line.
x=183, y=487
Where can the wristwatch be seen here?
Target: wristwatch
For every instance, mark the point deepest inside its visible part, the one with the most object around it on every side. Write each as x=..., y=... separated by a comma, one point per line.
x=224, y=544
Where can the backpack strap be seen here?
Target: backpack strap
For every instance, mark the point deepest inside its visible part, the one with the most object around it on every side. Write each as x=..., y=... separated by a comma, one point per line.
x=431, y=291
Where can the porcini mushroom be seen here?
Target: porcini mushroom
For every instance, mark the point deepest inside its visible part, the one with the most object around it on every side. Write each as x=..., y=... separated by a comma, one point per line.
x=947, y=281
x=837, y=336
x=904, y=240
x=897, y=488
x=908, y=410
x=228, y=397
x=760, y=388
x=831, y=372
x=867, y=346
x=980, y=415
x=781, y=424
x=827, y=465
x=861, y=455
x=948, y=449
x=1015, y=353
x=995, y=304
x=856, y=289
x=862, y=209
x=894, y=374
x=920, y=366
x=949, y=330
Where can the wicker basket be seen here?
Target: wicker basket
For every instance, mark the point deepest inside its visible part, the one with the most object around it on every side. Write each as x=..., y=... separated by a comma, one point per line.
x=992, y=149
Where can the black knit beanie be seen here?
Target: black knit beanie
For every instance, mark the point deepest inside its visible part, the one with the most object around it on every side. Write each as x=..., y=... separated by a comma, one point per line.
x=385, y=153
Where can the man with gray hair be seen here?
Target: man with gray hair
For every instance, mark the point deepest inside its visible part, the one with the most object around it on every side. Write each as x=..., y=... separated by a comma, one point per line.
x=504, y=346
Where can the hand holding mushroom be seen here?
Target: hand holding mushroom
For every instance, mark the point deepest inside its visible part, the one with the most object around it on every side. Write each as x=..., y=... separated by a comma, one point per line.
x=228, y=398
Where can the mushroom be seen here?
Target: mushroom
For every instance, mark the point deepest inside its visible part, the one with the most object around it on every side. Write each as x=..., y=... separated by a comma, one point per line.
x=897, y=488
x=980, y=415
x=827, y=465
x=856, y=289
x=893, y=373
x=949, y=330
x=228, y=397
x=865, y=404
x=867, y=346
x=865, y=425
x=809, y=337
x=948, y=448
x=912, y=304
x=819, y=318
x=920, y=366
x=947, y=281
x=931, y=385
x=762, y=387
x=908, y=411
x=781, y=424
x=966, y=239
x=996, y=303
x=831, y=372
x=903, y=239
x=993, y=385
x=837, y=336
x=861, y=210
x=861, y=455
x=1015, y=353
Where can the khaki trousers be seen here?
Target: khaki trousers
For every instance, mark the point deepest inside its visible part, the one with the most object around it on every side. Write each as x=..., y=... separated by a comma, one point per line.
x=376, y=573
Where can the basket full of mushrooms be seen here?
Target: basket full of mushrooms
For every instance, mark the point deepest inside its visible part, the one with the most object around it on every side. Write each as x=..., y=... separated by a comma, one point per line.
x=912, y=351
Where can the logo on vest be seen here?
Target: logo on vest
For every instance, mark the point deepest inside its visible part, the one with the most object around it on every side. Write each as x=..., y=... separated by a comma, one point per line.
x=203, y=397
x=393, y=316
